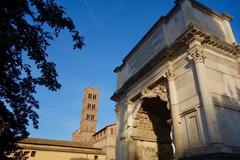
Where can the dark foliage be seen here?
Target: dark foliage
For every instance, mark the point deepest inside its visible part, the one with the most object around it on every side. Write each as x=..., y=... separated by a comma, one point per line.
x=26, y=27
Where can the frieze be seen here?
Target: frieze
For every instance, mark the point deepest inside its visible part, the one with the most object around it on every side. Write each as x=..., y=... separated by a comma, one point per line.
x=146, y=153
x=143, y=126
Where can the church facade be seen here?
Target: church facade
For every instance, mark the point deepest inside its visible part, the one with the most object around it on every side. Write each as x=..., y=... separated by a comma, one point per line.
x=178, y=89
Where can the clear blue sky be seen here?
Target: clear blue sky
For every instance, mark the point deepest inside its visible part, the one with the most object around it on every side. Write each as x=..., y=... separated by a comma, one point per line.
x=111, y=29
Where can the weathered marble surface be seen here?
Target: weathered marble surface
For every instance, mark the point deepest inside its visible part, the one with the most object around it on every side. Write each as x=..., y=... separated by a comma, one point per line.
x=201, y=80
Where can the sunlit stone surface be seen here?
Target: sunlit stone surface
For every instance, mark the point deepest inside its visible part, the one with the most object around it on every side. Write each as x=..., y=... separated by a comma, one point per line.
x=178, y=90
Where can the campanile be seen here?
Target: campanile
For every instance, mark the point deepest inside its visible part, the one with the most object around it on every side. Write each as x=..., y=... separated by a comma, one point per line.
x=88, y=116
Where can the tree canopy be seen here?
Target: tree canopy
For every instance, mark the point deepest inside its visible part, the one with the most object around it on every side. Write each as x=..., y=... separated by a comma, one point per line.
x=26, y=28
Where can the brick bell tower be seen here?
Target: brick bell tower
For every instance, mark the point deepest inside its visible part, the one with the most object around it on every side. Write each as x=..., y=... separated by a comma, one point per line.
x=88, y=116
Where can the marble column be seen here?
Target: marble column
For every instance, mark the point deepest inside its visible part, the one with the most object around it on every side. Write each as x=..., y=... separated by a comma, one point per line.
x=177, y=129
x=211, y=131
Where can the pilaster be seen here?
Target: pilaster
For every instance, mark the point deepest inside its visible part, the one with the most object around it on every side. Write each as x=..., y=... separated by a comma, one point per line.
x=209, y=119
x=177, y=128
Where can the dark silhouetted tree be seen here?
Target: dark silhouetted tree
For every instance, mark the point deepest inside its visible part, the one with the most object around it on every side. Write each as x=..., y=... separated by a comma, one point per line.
x=26, y=27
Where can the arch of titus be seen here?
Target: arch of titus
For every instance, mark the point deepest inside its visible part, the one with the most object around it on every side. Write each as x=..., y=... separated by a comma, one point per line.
x=178, y=89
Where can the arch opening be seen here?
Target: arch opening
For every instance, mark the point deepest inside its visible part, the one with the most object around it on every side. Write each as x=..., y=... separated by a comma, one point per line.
x=160, y=117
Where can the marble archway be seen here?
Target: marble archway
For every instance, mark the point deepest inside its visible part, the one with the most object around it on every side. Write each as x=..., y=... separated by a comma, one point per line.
x=152, y=130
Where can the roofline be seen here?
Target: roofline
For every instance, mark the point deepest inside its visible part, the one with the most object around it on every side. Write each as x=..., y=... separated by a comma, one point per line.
x=103, y=129
x=92, y=88
x=76, y=131
x=60, y=143
x=164, y=19
x=161, y=20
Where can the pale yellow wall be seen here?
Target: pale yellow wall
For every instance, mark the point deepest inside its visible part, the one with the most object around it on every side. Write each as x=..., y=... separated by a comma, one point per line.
x=55, y=150
x=56, y=155
x=107, y=141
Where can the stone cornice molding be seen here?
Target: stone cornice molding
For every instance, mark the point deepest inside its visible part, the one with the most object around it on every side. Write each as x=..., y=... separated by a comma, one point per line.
x=137, y=137
x=193, y=32
x=228, y=49
x=197, y=55
x=158, y=91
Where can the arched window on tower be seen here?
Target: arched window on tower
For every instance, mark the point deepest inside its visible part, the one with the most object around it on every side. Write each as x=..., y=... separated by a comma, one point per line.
x=88, y=116
x=88, y=106
x=112, y=132
x=89, y=95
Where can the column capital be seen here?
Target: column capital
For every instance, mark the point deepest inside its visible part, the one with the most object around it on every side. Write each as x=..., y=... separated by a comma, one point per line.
x=130, y=104
x=197, y=55
x=169, y=74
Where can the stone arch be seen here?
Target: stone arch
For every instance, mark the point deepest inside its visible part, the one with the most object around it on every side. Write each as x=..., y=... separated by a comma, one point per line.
x=158, y=91
x=151, y=127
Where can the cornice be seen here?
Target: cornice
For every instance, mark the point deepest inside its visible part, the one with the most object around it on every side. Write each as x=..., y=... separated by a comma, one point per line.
x=230, y=50
x=193, y=32
x=135, y=137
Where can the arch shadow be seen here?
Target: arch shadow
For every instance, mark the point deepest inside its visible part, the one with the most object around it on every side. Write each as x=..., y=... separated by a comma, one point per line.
x=159, y=115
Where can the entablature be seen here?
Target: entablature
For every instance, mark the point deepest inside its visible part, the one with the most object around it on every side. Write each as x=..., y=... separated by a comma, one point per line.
x=180, y=46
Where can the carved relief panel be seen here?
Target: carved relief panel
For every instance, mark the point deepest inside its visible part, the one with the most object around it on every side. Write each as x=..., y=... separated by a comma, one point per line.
x=146, y=153
x=143, y=128
x=143, y=124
